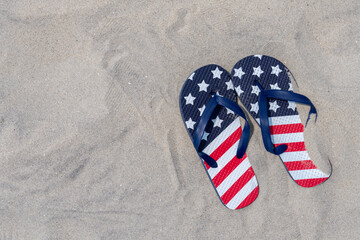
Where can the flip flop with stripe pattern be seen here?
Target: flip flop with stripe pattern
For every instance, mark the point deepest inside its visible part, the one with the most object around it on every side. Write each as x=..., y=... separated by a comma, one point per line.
x=210, y=114
x=264, y=88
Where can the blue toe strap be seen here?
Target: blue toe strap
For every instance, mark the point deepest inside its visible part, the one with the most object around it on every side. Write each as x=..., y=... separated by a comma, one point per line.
x=205, y=117
x=263, y=114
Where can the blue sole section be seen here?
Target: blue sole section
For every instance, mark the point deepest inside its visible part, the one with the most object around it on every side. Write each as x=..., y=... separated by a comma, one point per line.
x=271, y=74
x=196, y=93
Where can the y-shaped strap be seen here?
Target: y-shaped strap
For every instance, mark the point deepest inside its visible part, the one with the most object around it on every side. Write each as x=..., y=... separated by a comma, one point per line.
x=205, y=117
x=263, y=114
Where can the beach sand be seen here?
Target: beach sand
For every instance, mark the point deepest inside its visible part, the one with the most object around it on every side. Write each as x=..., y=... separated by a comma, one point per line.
x=92, y=144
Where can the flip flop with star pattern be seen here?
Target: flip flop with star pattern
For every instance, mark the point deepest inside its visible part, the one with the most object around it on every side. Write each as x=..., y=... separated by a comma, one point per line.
x=210, y=114
x=264, y=88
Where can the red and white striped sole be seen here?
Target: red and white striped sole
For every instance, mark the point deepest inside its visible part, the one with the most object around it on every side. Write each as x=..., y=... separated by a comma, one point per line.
x=234, y=179
x=290, y=131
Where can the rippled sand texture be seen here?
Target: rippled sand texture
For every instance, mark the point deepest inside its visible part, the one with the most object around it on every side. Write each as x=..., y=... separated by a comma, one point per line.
x=92, y=144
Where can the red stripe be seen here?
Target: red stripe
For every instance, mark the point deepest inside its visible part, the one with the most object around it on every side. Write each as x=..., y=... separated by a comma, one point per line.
x=231, y=140
x=225, y=171
x=299, y=165
x=237, y=186
x=249, y=199
x=310, y=182
x=293, y=147
x=287, y=128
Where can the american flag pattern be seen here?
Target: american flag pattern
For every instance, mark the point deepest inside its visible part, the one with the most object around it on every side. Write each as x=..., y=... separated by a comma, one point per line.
x=234, y=179
x=285, y=123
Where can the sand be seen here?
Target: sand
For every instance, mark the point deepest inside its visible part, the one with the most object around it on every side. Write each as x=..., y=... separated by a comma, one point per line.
x=92, y=144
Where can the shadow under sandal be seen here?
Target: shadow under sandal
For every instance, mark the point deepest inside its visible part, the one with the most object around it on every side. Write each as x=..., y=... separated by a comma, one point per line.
x=210, y=114
x=264, y=88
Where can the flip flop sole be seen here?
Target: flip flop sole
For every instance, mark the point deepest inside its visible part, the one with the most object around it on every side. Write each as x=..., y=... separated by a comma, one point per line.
x=234, y=179
x=285, y=123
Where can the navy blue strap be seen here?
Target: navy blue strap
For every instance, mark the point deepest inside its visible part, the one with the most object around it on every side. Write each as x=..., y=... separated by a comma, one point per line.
x=263, y=114
x=205, y=117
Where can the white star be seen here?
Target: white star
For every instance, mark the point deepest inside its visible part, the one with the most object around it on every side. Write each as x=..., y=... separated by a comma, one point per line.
x=191, y=76
x=290, y=87
x=276, y=70
x=258, y=56
x=275, y=86
x=292, y=105
x=201, y=109
x=239, y=72
x=254, y=107
x=217, y=73
x=238, y=90
x=205, y=136
x=228, y=111
x=217, y=122
x=255, y=90
x=190, y=123
x=203, y=86
x=189, y=99
x=257, y=71
x=273, y=106
x=229, y=85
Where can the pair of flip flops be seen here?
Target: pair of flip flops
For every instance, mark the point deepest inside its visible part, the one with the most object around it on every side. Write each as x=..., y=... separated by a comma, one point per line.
x=211, y=115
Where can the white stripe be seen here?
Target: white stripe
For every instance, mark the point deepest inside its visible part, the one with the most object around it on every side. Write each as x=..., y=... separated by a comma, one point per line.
x=294, y=156
x=307, y=174
x=282, y=120
x=233, y=177
x=242, y=194
x=287, y=138
x=222, y=137
x=223, y=160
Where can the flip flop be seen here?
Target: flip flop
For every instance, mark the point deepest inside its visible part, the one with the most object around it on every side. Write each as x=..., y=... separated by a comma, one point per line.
x=264, y=88
x=210, y=114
